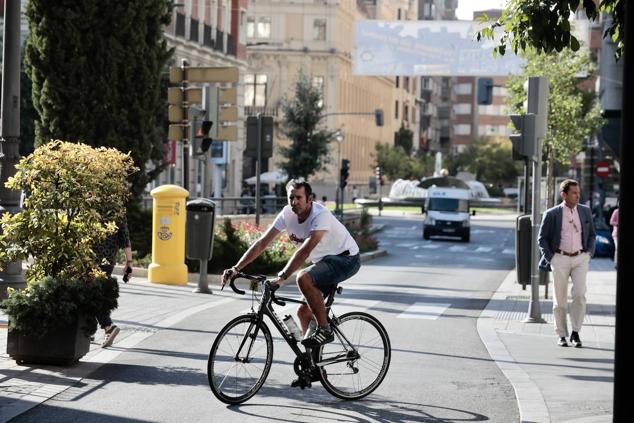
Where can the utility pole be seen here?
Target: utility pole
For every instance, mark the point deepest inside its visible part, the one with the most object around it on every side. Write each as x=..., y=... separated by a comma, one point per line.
x=11, y=276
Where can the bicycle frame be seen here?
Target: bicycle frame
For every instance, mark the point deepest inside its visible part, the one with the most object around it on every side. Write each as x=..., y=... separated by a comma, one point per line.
x=266, y=309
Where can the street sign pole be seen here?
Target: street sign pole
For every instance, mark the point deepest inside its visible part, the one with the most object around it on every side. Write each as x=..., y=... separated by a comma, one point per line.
x=537, y=106
x=258, y=169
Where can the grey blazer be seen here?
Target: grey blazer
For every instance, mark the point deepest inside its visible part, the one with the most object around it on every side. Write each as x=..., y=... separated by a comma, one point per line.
x=550, y=232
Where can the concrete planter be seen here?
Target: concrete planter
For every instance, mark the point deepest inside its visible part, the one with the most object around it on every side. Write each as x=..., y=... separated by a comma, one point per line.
x=60, y=347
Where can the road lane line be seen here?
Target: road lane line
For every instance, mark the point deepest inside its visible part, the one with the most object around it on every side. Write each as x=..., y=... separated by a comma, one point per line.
x=428, y=311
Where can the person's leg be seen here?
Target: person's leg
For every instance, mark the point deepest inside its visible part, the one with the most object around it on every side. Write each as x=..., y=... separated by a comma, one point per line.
x=560, y=265
x=314, y=298
x=616, y=249
x=105, y=322
x=578, y=306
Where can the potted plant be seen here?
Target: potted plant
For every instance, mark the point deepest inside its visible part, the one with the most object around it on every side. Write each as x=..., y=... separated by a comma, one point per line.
x=73, y=195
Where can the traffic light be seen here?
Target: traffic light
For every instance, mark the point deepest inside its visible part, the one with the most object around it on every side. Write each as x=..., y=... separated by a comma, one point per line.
x=485, y=91
x=378, y=172
x=345, y=173
x=202, y=138
x=524, y=141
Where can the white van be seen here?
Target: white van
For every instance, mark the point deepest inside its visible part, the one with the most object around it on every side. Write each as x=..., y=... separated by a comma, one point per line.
x=447, y=213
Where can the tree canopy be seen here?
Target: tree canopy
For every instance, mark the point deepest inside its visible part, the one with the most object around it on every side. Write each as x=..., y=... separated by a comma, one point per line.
x=96, y=70
x=544, y=25
x=397, y=163
x=303, y=113
x=489, y=159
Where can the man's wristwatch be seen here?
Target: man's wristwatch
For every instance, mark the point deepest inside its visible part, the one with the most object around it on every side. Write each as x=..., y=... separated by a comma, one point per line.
x=282, y=275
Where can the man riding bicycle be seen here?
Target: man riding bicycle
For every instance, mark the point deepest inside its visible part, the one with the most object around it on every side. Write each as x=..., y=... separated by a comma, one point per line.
x=320, y=237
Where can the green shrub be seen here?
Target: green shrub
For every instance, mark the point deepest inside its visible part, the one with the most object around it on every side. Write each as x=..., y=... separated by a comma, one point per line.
x=50, y=303
x=75, y=196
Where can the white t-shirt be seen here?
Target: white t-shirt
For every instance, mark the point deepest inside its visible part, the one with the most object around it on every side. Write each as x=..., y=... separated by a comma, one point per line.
x=336, y=240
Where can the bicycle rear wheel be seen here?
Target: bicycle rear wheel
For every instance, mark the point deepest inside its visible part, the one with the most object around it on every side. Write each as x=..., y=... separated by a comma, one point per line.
x=356, y=362
x=240, y=360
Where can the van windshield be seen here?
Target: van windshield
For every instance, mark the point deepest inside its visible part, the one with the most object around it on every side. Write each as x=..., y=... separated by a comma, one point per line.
x=449, y=205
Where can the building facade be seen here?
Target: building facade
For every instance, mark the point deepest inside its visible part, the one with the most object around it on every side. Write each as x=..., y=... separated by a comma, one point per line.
x=284, y=37
x=209, y=33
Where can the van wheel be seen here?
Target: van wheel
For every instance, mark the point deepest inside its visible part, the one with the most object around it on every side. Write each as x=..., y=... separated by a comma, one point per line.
x=425, y=233
x=465, y=237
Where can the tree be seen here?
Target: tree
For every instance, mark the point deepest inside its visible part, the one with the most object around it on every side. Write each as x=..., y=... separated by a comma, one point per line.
x=489, y=159
x=308, y=150
x=545, y=26
x=396, y=163
x=573, y=114
x=404, y=138
x=96, y=71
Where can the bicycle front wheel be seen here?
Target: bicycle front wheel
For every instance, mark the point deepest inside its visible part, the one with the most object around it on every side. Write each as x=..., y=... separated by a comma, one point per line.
x=240, y=359
x=356, y=362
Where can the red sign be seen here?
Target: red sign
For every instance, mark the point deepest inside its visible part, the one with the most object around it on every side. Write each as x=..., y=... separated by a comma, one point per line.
x=604, y=169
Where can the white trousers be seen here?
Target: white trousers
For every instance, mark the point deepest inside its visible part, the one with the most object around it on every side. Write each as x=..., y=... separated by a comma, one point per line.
x=567, y=268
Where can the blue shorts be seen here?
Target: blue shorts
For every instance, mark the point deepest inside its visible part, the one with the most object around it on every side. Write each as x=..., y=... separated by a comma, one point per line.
x=331, y=270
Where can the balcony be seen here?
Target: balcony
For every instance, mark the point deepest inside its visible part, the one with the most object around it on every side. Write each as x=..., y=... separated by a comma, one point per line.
x=264, y=110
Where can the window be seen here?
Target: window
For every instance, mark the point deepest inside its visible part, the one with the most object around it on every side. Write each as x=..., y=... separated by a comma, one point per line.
x=464, y=89
x=493, y=130
x=318, y=83
x=397, y=81
x=319, y=29
x=462, y=108
x=264, y=27
x=250, y=27
x=255, y=90
x=406, y=83
x=396, y=110
x=405, y=112
x=493, y=110
x=462, y=129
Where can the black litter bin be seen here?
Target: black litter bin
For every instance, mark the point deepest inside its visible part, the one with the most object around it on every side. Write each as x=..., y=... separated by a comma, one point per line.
x=523, y=239
x=199, y=229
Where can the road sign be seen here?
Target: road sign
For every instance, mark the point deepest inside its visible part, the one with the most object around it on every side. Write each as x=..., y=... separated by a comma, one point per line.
x=603, y=169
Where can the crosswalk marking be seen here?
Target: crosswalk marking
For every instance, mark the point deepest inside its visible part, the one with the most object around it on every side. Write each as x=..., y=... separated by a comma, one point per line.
x=508, y=251
x=457, y=248
x=431, y=246
x=483, y=249
x=427, y=311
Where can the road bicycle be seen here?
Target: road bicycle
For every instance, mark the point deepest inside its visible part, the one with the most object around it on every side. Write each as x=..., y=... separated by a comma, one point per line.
x=350, y=367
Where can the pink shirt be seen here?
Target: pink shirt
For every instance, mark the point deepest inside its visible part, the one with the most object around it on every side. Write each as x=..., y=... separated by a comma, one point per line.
x=570, y=230
x=614, y=221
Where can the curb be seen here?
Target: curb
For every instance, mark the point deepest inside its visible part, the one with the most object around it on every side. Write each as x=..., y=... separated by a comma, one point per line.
x=530, y=401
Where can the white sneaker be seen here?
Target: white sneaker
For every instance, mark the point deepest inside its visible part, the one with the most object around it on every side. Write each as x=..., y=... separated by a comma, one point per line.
x=110, y=336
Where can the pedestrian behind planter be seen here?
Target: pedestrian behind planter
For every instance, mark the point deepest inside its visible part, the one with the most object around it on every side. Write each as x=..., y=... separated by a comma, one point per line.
x=106, y=255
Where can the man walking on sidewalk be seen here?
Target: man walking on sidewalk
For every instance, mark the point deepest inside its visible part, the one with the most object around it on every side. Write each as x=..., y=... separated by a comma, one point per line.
x=566, y=241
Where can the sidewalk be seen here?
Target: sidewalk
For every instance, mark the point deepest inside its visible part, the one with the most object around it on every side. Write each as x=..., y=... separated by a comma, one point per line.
x=555, y=384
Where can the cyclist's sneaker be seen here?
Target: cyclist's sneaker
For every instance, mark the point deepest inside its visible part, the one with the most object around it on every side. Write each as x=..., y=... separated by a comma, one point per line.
x=320, y=337
x=314, y=377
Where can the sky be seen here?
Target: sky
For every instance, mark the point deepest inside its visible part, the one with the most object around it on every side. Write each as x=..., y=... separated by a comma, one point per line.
x=466, y=7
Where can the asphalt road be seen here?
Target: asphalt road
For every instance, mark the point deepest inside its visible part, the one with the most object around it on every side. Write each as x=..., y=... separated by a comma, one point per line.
x=428, y=294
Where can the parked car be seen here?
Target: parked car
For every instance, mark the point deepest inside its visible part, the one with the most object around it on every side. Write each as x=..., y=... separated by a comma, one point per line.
x=604, y=244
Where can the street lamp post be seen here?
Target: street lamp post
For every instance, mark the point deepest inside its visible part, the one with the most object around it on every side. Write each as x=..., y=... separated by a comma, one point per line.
x=11, y=276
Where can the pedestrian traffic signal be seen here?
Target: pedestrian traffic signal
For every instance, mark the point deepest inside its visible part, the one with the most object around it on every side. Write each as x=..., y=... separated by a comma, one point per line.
x=345, y=173
x=524, y=141
x=202, y=138
x=378, y=172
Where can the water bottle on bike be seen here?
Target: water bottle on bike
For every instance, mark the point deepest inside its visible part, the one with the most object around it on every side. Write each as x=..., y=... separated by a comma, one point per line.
x=292, y=327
